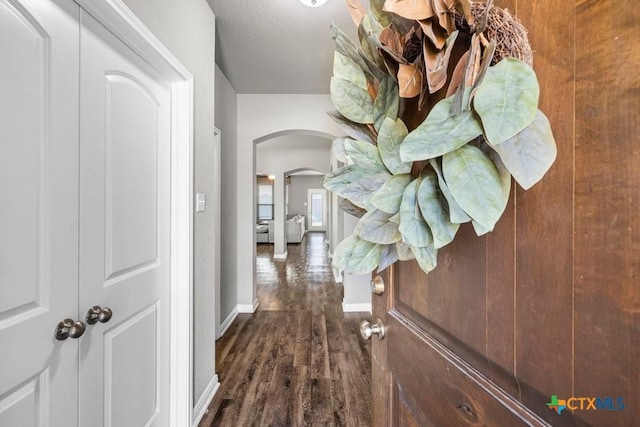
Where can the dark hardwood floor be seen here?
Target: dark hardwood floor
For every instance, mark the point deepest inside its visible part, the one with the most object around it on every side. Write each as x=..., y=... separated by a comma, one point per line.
x=299, y=360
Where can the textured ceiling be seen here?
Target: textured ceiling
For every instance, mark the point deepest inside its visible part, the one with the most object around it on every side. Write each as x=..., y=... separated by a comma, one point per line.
x=278, y=46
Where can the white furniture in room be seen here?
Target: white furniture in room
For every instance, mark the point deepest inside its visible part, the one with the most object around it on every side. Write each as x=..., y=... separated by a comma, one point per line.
x=295, y=229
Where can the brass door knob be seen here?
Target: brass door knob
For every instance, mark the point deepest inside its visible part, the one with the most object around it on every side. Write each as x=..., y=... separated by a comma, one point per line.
x=367, y=329
x=69, y=328
x=377, y=285
x=98, y=314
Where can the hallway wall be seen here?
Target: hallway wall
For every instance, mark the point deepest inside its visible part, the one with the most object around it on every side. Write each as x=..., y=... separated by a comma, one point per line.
x=226, y=120
x=298, y=193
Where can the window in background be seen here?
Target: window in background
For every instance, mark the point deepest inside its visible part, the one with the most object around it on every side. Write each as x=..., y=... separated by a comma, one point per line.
x=265, y=201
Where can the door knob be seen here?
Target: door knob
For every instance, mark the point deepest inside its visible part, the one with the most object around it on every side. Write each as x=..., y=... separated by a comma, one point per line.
x=98, y=314
x=377, y=285
x=69, y=328
x=367, y=329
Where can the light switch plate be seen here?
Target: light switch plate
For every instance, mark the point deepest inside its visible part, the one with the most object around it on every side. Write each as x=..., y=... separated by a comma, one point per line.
x=201, y=202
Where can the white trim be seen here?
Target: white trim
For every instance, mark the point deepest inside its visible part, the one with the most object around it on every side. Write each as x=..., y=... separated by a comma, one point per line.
x=281, y=256
x=216, y=212
x=248, y=308
x=206, y=398
x=117, y=18
x=228, y=321
x=356, y=307
x=337, y=276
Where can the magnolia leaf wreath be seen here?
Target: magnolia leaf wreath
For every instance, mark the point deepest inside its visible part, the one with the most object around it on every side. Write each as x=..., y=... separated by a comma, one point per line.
x=440, y=107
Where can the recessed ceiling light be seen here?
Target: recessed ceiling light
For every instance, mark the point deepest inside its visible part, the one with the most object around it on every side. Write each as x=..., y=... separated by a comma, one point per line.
x=313, y=3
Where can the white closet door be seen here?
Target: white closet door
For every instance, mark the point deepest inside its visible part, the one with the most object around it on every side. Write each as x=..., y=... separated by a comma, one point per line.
x=124, y=233
x=38, y=211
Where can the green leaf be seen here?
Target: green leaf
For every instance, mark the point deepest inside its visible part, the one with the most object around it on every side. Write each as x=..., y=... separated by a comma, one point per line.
x=479, y=229
x=381, y=16
x=344, y=68
x=387, y=101
x=389, y=256
x=355, y=184
x=351, y=209
x=433, y=212
x=456, y=214
x=352, y=101
x=365, y=155
x=427, y=257
x=338, y=150
x=368, y=32
x=348, y=48
x=507, y=99
x=415, y=231
x=364, y=258
x=389, y=196
x=343, y=252
x=475, y=184
x=530, y=153
x=390, y=136
x=404, y=251
x=440, y=133
x=354, y=130
x=375, y=227
x=505, y=175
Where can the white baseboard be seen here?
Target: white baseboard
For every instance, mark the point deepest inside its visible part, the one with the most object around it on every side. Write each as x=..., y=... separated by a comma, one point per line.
x=203, y=403
x=248, y=308
x=281, y=256
x=228, y=321
x=337, y=276
x=356, y=308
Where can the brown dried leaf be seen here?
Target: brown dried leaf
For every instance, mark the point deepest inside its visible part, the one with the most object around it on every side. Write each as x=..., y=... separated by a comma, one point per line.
x=409, y=80
x=464, y=8
x=458, y=74
x=474, y=61
x=409, y=9
x=391, y=43
x=437, y=62
x=434, y=32
x=442, y=9
x=357, y=11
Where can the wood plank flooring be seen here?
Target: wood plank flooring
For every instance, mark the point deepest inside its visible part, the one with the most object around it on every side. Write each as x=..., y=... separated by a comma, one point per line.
x=299, y=360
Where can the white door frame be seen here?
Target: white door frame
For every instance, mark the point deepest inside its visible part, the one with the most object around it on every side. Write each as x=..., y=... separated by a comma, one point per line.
x=118, y=19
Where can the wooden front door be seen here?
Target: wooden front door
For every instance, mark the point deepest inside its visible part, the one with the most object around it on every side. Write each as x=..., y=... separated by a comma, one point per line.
x=547, y=305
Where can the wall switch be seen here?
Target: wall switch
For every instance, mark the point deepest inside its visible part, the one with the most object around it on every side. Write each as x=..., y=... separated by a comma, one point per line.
x=201, y=202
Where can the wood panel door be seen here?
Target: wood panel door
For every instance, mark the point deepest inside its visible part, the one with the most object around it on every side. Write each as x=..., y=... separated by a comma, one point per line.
x=543, y=312
x=38, y=211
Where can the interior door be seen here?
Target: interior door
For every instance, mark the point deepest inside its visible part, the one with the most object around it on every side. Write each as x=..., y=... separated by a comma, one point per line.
x=124, y=233
x=38, y=211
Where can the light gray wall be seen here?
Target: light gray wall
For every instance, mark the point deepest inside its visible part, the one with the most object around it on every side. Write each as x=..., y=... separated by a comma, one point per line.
x=187, y=29
x=279, y=162
x=227, y=122
x=357, y=291
x=298, y=193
